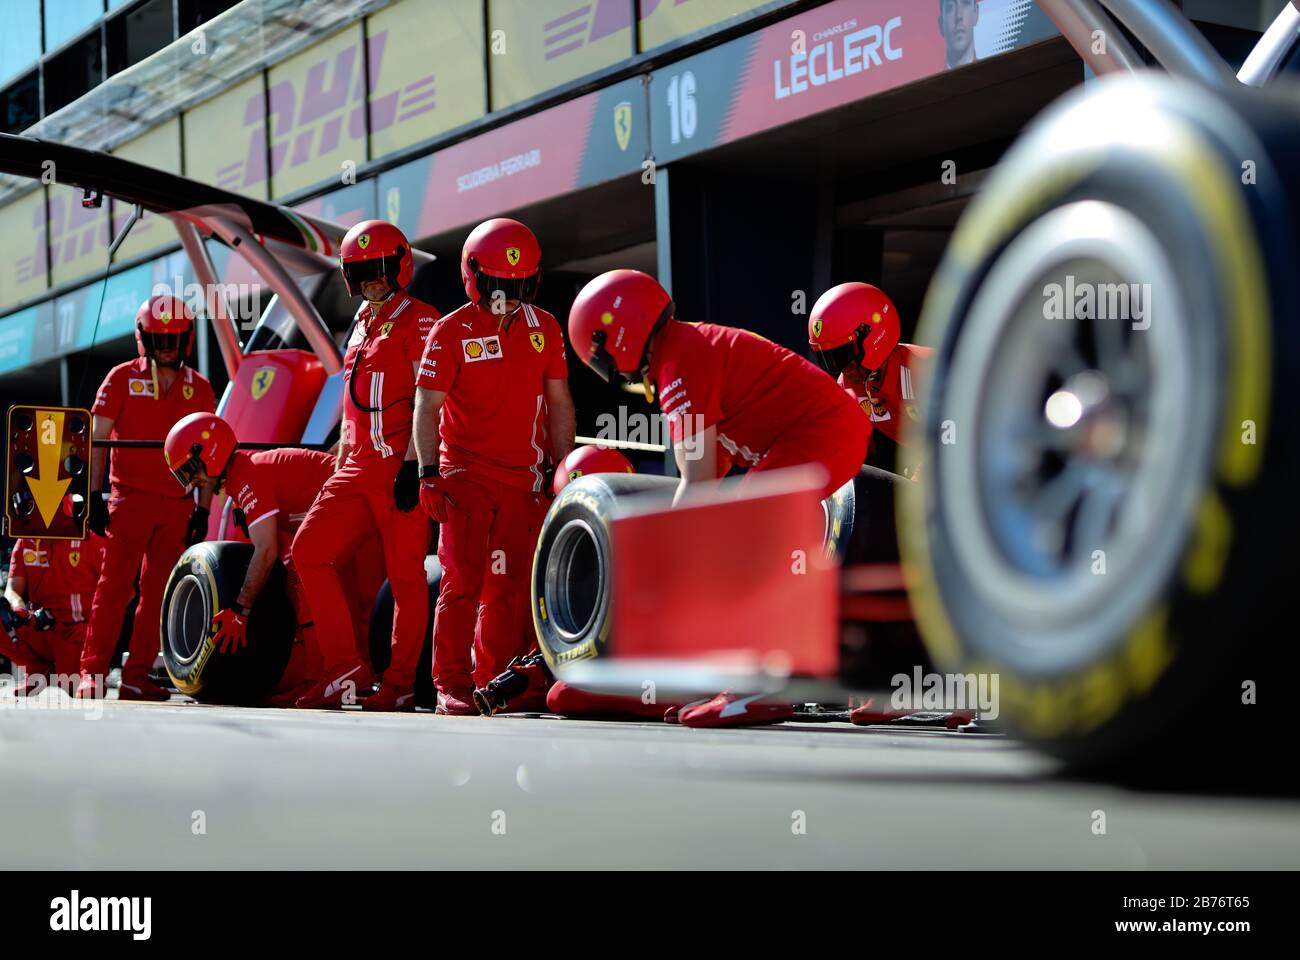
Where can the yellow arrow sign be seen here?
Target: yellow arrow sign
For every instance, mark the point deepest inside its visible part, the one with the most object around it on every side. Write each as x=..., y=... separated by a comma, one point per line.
x=47, y=488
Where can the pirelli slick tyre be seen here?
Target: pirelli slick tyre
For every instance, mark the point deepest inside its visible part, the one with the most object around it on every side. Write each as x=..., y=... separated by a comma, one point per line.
x=1107, y=482
x=381, y=634
x=205, y=580
x=571, y=609
x=571, y=602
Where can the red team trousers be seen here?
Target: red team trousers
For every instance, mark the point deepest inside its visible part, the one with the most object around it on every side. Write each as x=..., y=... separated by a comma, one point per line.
x=144, y=527
x=486, y=550
x=42, y=652
x=355, y=503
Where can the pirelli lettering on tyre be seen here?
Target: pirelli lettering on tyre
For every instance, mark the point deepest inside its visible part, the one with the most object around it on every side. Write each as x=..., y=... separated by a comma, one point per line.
x=583, y=652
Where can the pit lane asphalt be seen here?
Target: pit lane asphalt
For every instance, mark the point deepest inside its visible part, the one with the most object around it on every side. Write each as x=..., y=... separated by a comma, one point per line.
x=295, y=789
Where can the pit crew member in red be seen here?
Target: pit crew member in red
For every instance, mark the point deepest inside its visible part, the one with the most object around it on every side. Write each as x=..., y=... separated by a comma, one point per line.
x=50, y=586
x=765, y=406
x=271, y=491
x=853, y=331
x=149, y=522
x=492, y=408
x=375, y=487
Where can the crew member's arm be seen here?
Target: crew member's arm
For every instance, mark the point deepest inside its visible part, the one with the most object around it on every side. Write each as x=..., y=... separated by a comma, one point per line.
x=102, y=429
x=15, y=590
x=697, y=460
x=265, y=549
x=562, y=422
x=425, y=437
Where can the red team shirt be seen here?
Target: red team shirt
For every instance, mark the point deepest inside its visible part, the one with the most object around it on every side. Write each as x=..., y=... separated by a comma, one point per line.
x=494, y=418
x=60, y=574
x=752, y=390
x=129, y=397
x=277, y=484
x=378, y=371
x=893, y=401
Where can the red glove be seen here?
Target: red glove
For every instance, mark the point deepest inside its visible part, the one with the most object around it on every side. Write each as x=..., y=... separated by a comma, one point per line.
x=229, y=630
x=433, y=498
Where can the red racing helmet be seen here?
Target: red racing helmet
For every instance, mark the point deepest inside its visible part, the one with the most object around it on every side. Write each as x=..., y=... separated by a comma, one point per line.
x=613, y=320
x=164, y=323
x=853, y=323
x=501, y=260
x=373, y=250
x=589, y=459
x=199, y=444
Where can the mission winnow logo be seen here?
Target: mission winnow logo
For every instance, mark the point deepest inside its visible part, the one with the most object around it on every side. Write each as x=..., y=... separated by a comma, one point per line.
x=76, y=914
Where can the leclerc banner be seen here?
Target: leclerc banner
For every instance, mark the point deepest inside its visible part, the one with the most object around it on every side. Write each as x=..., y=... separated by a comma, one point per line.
x=581, y=142
x=824, y=58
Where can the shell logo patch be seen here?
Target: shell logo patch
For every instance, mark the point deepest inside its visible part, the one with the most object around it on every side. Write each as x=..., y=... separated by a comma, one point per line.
x=816, y=328
x=30, y=557
x=140, y=388
x=363, y=241
x=74, y=557
x=262, y=381
x=538, y=341
x=474, y=349
x=187, y=392
x=512, y=256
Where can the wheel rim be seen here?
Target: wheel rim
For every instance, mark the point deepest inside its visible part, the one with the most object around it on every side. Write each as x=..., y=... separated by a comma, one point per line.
x=575, y=580
x=187, y=619
x=1079, y=435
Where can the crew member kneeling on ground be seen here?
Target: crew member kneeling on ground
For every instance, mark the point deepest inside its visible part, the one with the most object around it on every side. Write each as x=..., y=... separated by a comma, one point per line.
x=148, y=523
x=263, y=485
x=50, y=586
x=375, y=489
x=493, y=403
x=718, y=386
x=854, y=333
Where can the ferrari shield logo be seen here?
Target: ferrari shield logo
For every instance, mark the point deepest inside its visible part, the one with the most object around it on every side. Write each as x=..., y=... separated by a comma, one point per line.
x=817, y=328
x=363, y=241
x=74, y=557
x=512, y=256
x=394, y=204
x=165, y=316
x=383, y=331
x=187, y=392
x=262, y=381
x=623, y=124
x=538, y=341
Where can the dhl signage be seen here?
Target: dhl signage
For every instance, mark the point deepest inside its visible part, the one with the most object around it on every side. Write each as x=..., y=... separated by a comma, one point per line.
x=318, y=115
x=78, y=236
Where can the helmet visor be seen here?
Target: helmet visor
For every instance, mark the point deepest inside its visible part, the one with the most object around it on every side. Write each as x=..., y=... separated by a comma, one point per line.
x=189, y=470
x=358, y=272
x=498, y=291
x=153, y=342
x=834, y=360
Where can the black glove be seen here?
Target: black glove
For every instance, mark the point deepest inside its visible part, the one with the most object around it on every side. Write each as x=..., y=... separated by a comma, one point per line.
x=10, y=619
x=198, y=528
x=97, y=518
x=42, y=619
x=241, y=520
x=406, y=486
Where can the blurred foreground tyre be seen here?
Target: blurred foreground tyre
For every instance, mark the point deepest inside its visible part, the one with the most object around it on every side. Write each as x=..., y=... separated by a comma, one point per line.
x=1107, y=508
x=206, y=579
x=381, y=635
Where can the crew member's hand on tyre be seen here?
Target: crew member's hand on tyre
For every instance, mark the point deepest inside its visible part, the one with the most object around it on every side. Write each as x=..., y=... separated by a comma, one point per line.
x=406, y=486
x=230, y=630
x=433, y=498
x=97, y=519
x=197, y=531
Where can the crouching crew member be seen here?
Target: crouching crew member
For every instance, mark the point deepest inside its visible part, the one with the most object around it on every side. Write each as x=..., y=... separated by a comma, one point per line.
x=718, y=386
x=854, y=332
x=493, y=405
x=375, y=489
x=149, y=522
x=50, y=586
x=263, y=486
